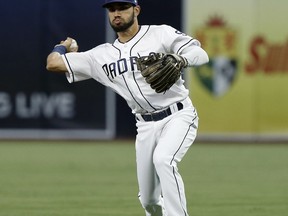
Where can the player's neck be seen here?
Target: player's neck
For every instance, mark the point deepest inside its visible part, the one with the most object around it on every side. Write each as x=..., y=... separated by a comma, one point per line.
x=125, y=36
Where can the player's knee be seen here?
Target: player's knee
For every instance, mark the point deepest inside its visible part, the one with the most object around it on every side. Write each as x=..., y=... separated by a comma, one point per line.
x=161, y=161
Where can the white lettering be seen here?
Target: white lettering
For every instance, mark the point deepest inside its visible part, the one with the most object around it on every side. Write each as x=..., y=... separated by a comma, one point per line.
x=5, y=105
x=60, y=105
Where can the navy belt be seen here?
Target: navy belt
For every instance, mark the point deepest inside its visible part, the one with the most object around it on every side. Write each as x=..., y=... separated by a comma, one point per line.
x=160, y=115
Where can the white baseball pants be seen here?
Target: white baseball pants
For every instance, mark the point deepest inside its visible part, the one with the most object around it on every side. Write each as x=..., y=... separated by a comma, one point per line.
x=160, y=145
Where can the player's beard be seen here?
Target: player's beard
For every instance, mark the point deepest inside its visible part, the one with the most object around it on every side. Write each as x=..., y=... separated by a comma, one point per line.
x=124, y=26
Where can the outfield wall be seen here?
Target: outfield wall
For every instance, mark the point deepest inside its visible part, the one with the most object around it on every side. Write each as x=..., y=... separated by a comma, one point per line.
x=242, y=94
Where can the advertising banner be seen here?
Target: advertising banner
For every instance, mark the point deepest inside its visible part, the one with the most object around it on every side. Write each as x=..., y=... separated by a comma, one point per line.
x=242, y=92
x=35, y=103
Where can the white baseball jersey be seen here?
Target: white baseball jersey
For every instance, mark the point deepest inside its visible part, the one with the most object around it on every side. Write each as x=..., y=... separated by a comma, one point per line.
x=114, y=66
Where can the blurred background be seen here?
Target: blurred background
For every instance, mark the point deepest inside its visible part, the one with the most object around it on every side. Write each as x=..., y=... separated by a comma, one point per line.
x=241, y=95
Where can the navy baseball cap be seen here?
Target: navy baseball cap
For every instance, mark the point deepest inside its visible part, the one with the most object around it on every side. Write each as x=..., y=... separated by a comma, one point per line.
x=134, y=2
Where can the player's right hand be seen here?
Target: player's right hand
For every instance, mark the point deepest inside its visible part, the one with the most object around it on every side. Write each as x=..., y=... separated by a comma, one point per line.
x=70, y=44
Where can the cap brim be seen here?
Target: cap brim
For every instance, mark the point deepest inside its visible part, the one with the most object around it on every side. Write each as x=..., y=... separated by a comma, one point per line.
x=117, y=1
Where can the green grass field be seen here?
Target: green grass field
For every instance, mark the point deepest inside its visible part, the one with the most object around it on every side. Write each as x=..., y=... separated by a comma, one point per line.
x=86, y=178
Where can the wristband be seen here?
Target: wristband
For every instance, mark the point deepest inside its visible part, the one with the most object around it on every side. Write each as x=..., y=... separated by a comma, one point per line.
x=60, y=49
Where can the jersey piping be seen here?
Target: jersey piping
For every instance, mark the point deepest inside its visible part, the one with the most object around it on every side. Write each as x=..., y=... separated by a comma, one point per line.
x=131, y=92
x=132, y=37
x=183, y=46
x=73, y=78
x=134, y=71
x=120, y=55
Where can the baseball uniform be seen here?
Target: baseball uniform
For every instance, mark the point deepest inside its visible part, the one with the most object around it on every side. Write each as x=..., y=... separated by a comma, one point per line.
x=166, y=122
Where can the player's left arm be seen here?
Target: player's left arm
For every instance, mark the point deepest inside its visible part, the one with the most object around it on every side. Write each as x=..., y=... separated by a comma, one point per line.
x=184, y=45
x=195, y=55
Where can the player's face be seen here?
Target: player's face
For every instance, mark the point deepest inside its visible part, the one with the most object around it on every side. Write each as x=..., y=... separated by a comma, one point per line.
x=121, y=16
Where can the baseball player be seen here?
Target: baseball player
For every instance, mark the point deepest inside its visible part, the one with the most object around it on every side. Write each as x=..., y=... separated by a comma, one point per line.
x=166, y=119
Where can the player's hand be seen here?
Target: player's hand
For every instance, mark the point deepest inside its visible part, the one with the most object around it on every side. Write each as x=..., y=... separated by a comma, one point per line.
x=70, y=44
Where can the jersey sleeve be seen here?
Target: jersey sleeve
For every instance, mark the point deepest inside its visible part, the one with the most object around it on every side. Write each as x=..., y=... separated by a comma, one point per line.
x=175, y=41
x=79, y=66
x=184, y=45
